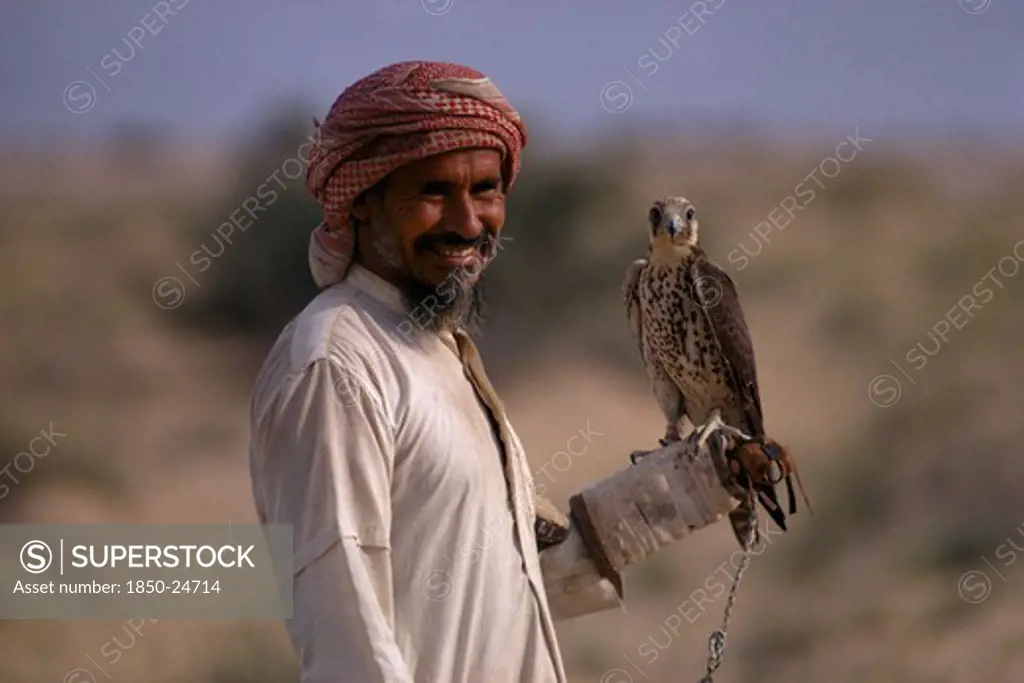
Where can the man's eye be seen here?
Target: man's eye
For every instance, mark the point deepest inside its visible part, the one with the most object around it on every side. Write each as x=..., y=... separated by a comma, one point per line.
x=486, y=188
x=435, y=189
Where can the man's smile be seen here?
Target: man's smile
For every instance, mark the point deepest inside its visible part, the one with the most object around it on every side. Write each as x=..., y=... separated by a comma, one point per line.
x=455, y=255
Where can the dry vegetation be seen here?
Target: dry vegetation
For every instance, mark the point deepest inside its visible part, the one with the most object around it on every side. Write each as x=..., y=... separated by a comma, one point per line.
x=908, y=498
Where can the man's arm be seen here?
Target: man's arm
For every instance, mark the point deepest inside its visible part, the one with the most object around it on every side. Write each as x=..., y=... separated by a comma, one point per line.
x=323, y=462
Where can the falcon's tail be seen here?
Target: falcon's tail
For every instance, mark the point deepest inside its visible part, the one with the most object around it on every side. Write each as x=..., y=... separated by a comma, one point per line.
x=792, y=494
x=770, y=502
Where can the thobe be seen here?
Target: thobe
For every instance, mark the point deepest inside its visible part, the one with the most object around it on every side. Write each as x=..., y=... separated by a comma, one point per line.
x=410, y=500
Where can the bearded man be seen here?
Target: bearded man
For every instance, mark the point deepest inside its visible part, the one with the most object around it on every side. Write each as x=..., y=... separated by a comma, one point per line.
x=421, y=554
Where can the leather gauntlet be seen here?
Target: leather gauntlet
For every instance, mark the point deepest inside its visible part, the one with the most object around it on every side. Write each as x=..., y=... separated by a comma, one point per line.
x=667, y=495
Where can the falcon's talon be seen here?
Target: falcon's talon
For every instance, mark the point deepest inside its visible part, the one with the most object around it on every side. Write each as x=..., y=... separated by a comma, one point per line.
x=637, y=456
x=671, y=435
x=715, y=424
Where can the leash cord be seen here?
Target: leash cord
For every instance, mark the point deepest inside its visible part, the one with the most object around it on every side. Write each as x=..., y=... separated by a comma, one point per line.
x=716, y=642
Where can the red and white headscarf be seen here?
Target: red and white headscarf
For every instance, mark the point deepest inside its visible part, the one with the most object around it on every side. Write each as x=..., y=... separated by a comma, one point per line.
x=401, y=113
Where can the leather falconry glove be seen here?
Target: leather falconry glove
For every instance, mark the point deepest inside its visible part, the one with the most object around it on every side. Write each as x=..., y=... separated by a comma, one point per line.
x=631, y=514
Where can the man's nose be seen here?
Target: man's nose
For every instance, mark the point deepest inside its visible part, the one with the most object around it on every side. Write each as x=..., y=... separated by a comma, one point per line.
x=464, y=220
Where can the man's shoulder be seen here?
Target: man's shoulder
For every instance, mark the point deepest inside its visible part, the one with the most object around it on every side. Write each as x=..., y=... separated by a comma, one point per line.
x=342, y=324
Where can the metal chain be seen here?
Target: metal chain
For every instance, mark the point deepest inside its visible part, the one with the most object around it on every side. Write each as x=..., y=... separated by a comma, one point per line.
x=716, y=642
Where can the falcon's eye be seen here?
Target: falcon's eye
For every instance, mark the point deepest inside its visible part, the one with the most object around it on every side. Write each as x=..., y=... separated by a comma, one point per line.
x=655, y=216
x=689, y=214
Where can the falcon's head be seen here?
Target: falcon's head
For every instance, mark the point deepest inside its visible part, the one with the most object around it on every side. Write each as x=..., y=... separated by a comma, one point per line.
x=673, y=223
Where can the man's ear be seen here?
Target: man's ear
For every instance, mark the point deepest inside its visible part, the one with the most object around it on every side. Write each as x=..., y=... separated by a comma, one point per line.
x=360, y=209
x=361, y=205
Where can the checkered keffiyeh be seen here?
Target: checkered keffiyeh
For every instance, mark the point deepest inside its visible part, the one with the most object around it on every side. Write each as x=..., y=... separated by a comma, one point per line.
x=401, y=113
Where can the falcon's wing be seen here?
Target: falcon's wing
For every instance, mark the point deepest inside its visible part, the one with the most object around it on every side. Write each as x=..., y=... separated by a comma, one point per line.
x=715, y=292
x=631, y=299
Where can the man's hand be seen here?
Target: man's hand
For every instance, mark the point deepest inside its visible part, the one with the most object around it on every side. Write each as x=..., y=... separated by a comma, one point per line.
x=550, y=526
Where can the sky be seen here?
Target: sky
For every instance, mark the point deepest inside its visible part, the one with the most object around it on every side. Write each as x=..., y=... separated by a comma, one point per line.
x=216, y=67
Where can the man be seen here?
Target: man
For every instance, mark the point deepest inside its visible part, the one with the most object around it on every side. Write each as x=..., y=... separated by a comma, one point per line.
x=375, y=432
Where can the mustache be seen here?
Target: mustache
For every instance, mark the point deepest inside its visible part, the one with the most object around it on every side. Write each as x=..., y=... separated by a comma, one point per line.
x=484, y=244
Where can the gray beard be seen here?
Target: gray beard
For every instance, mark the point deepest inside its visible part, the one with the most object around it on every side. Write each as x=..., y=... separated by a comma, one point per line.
x=450, y=305
x=447, y=306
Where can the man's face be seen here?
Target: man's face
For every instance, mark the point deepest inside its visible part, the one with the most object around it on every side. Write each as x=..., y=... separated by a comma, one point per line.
x=435, y=225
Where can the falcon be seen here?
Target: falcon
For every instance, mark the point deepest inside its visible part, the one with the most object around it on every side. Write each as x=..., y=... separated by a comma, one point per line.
x=685, y=315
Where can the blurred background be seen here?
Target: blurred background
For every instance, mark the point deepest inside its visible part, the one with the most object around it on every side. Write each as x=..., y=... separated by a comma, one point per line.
x=857, y=168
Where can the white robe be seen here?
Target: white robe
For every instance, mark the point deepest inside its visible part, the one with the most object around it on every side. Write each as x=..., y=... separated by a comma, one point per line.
x=415, y=559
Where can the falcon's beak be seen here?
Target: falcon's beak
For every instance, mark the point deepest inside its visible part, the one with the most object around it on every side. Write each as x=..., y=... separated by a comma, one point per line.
x=674, y=226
